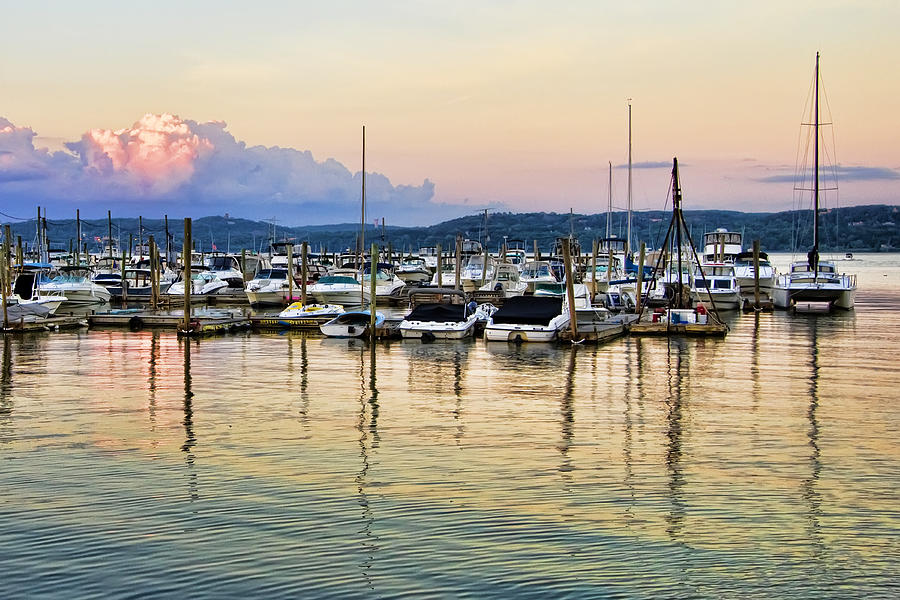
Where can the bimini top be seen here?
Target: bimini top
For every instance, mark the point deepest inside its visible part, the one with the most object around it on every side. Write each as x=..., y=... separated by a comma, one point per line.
x=438, y=313
x=528, y=310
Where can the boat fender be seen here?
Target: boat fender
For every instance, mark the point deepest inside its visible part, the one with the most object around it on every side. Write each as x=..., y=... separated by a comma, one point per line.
x=518, y=339
x=701, y=310
x=135, y=323
x=427, y=336
x=351, y=330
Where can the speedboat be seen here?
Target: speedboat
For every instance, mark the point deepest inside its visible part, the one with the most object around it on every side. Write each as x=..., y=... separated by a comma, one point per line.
x=351, y=324
x=26, y=293
x=716, y=284
x=203, y=283
x=527, y=319
x=413, y=271
x=313, y=315
x=270, y=286
x=506, y=279
x=341, y=287
x=387, y=284
x=475, y=271
x=75, y=284
x=536, y=271
x=447, y=316
x=227, y=267
x=138, y=282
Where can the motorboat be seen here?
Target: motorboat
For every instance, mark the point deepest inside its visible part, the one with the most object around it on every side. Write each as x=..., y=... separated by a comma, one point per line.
x=721, y=246
x=351, y=324
x=746, y=274
x=203, y=283
x=506, y=279
x=313, y=315
x=527, y=319
x=413, y=271
x=387, y=284
x=716, y=284
x=444, y=315
x=227, y=267
x=26, y=293
x=74, y=282
x=270, y=286
x=475, y=272
x=138, y=282
x=429, y=255
x=341, y=287
x=534, y=272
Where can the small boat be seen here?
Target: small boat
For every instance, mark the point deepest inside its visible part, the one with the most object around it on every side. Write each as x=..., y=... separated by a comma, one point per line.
x=506, y=279
x=743, y=270
x=25, y=293
x=227, y=267
x=309, y=315
x=474, y=272
x=341, y=287
x=535, y=272
x=413, y=271
x=387, y=284
x=446, y=317
x=527, y=319
x=270, y=286
x=203, y=283
x=351, y=324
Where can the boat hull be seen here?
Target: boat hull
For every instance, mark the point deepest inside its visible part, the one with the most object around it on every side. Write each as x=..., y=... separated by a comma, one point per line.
x=440, y=331
x=787, y=296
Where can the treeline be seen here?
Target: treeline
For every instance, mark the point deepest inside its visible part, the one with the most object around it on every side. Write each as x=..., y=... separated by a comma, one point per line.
x=855, y=228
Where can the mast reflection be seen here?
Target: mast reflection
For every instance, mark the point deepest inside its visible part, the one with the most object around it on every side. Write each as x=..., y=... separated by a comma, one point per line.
x=809, y=486
x=457, y=390
x=675, y=518
x=567, y=421
x=304, y=385
x=367, y=425
x=190, y=440
x=6, y=388
x=151, y=382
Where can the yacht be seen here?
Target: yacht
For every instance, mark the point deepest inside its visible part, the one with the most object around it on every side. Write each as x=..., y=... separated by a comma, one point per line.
x=27, y=293
x=534, y=272
x=506, y=279
x=413, y=271
x=474, y=272
x=270, y=286
x=743, y=270
x=387, y=284
x=203, y=283
x=824, y=284
x=721, y=246
x=341, y=287
x=227, y=267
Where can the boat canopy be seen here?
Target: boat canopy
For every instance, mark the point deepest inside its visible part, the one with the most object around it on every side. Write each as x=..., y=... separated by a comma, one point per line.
x=438, y=312
x=528, y=310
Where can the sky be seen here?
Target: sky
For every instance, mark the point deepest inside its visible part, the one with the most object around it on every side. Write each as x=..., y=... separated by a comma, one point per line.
x=257, y=109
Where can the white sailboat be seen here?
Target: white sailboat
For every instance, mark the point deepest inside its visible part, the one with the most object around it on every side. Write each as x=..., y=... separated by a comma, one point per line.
x=813, y=281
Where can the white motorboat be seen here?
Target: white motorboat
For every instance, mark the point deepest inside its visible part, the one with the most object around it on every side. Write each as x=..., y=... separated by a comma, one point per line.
x=203, y=283
x=534, y=272
x=341, y=287
x=527, y=319
x=298, y=310
x=413, y=271
x=26, y=293
x=745, y=273
x=429, y=255
x=270, y=286
x=721, y=246
x=75, y=284
x=387, y=284
x=445, y=316
x=716, y=285
x=475, y=272
x=351, y=324
x=227, y=267
x=506, y=279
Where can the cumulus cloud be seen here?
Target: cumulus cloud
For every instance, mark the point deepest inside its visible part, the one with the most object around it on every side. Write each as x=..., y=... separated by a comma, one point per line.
x=163, y=163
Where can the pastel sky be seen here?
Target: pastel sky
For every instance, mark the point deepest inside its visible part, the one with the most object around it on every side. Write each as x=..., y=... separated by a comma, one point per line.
x=203, y=107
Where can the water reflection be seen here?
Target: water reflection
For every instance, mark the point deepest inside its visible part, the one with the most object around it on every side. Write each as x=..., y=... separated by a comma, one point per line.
x=809, y=486
x=567, y=421
x=367, y=425
x=304, y=385
x=675, y=371
x=6, y=387
x=190, y=439
x=151, y=383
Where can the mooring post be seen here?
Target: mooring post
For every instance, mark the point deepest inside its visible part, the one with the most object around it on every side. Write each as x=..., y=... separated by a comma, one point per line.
x=152, y=243
x=457, y=266
x=484, y=266
x=124, y=283
x=594, y=270
x=304, y=273
x=290, y=251
x=372, y=283
x=186, y=266
x=640, y=281
x=756, y=274
x=570, y=288
x=440, y=266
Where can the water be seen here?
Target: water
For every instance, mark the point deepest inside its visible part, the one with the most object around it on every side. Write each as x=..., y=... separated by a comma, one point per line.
x=763, y=465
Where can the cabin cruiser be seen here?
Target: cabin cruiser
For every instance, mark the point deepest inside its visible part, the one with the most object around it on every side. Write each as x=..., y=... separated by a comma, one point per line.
x=413, y=271
x=445, y=315
x=744, y=271
x=716, y=284
x=26, y=291
x=138, y=282
x=351, y=324
x=341, y=287
x=534, y=272
x=721, y=246
x=387, y=284
x=203, y=283
x=75, y=284
x=446, y=274
x=514, y=252
x=227, y=267
x=506, y=279
x=270, y=286
x=474, y=272
x=527, y=319
x=822, y=285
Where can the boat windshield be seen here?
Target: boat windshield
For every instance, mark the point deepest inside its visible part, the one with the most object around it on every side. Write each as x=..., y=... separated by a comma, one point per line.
x=69, y=279
x=272, y=274
x=338, y=279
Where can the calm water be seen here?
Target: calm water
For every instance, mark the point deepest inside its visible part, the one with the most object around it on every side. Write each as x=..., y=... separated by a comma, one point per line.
x=763, y=465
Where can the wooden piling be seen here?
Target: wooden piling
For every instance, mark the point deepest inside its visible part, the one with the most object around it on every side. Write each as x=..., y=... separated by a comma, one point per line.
x=484, y=266
x=78, y=235
x=124, y=283
x=440, y=266
x=537, y=253
x=570, y=287
x=20, y=255
x=640, y=280
x=594, y=247
x=7, y=251
x=304, y=271
x=4, y=277
x=457, y=267
x=186, y=264
x=290, y=257
x=372, y=286
x=154, y=274
x=756, y=274
x=609, y=266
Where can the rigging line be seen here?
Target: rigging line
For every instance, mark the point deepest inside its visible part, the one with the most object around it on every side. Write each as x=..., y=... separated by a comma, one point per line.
x=12, y=217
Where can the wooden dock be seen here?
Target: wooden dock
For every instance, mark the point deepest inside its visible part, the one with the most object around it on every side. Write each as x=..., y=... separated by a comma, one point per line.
x=273, y=321
x=48, y=324
x=136, y=319
x=685, y=329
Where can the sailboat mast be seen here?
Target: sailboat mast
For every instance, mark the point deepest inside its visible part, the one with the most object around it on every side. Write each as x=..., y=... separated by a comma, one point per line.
x=609, y=210
x=815, y=249
x=362, y=224
x=676, y=207
x=628, y=249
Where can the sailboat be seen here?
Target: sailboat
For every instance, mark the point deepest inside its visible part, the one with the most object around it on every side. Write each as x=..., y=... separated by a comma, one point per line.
x=812, y=281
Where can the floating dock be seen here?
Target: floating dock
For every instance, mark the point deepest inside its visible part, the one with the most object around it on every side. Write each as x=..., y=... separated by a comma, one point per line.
x=48, y=324
x=689, y=329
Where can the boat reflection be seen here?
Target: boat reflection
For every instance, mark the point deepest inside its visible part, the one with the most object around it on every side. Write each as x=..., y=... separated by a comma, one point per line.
x=809, y=486
x=190, y=439
x=675, y=374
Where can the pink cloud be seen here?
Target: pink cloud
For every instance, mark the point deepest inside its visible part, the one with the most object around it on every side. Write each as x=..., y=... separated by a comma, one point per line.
x=159, y=151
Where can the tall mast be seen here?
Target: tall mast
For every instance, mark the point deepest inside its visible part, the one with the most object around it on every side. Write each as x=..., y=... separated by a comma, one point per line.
x=628, y=249
x=609, y=209
x=814, y=255
x=362, y=223
x=676, y=207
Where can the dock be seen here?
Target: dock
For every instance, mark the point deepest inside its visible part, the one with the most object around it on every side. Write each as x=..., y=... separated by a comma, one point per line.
x=687, y=329
x=48, y=324
x=136, y=319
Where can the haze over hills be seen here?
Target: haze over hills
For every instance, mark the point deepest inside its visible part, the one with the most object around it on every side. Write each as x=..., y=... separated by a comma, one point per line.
x=855, y=228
